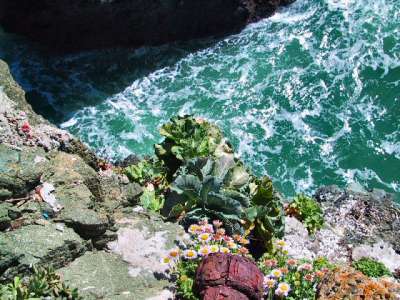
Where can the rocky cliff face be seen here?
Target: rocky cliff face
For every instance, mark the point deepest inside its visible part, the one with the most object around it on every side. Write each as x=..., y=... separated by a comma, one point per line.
x=60, y=208
x=78, y=24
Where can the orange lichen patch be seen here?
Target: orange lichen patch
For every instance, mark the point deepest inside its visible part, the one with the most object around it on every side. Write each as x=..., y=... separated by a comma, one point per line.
x=347, y=283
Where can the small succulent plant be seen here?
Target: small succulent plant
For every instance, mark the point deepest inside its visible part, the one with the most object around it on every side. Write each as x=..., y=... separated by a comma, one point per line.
x=43, y=284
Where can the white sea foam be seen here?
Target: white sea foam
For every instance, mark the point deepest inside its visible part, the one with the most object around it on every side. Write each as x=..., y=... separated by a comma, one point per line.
x=302, y=95
x=69, y=123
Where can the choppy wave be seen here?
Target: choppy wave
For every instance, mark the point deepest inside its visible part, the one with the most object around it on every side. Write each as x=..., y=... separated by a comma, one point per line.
x=310, y=96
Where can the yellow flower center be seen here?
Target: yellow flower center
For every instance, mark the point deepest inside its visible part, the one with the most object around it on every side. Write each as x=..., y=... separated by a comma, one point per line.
x=277, y=273
x=204, y=237
x=166, y=260
x=193, y=228
x=214, y=248
x=284, y=288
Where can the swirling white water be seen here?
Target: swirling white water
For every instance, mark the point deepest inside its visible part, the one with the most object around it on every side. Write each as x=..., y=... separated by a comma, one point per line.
x=310, y=96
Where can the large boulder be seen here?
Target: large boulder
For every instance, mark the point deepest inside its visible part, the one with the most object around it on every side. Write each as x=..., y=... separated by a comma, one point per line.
x=232, y=276
x=357, y=224
x=20, y=170
x=131, y=268
x=103, y=275
x=76, y=190
x=222, y=292
x=362, y=216
x=78, y=24
x=44, y=245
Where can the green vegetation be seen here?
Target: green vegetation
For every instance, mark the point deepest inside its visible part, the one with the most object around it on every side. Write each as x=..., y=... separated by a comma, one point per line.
x=265, y=217
x=308, y=211
x=291, y=278
x=211, y=188
x=150, y=200
x=147, y=171
x=197, y=176
x=187, y=138
x=371, y=267
x=44, y=283
x=323, y=263
x=185, y=272
x=152, y=175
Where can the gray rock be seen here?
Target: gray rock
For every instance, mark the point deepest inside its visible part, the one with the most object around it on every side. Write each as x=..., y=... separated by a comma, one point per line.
x=101, y=241
x=362, y=217
x=356, y=223
x=71, y=177
x=15, y=94
x=36, y=244
x=19, y=173
x=327, y=242
x=115, y=192
x=4, y=217
x=144, y=238
x=132, y=270
x=102, y=275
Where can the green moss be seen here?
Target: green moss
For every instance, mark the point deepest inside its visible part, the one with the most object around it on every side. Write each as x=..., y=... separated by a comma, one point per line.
x=371, y=267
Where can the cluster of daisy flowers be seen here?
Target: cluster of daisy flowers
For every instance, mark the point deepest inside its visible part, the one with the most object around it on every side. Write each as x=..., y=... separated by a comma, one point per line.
x=206, y=239
x=284, y=274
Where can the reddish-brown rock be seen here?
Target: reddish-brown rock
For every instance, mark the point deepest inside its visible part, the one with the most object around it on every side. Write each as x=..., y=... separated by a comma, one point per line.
x=227, y=270
x=223, y=292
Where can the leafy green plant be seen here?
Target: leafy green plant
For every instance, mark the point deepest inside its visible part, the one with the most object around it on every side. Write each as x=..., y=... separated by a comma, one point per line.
x=210, y=188
x=14, y=290
x=221, y=188
x=371, y=267
x=147, y=171
x=152, y=175
x=150, y=200
x=208, y=181
x=186, y=138
x=185, y=272
x=265, y=217
x=308, y=211
x=43, y=283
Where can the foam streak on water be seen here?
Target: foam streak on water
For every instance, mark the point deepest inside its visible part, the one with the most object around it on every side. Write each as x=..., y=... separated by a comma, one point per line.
x=310, y=96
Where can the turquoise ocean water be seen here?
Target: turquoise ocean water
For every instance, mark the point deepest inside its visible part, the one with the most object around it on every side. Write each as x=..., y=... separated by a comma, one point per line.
x=310, y=96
